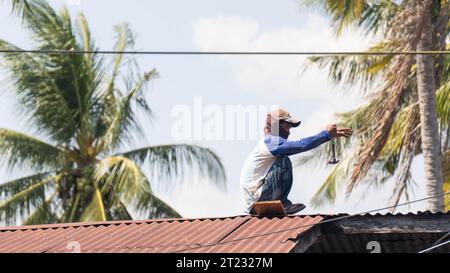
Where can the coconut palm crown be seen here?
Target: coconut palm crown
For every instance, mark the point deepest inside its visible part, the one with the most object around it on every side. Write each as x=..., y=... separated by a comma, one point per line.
x=84, y=119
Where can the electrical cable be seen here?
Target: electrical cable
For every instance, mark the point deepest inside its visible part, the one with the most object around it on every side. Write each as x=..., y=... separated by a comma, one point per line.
x=438, y=241
x=112, y=52
x=434, y=247
x=315, y=224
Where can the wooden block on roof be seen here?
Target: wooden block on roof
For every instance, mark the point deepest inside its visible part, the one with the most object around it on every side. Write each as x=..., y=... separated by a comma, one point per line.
x=269, y=208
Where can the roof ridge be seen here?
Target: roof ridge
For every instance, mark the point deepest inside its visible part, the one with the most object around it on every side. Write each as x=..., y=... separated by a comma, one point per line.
x=145, y=221
x=233, y=230
x=108, y=223
x=129, y=222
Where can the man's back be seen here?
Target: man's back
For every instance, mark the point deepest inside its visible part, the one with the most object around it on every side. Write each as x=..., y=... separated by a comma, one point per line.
x=267, y=171
x=260, y=160
x=253, y=172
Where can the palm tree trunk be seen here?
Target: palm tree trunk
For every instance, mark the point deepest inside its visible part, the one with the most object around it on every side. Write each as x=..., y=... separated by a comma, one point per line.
x=426, y=86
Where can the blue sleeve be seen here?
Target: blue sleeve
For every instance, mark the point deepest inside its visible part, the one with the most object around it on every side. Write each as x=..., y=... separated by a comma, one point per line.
x=279, y=146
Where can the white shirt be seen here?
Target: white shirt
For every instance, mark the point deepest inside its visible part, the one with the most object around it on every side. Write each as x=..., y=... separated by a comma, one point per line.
x=253, y=173
x=260, y=161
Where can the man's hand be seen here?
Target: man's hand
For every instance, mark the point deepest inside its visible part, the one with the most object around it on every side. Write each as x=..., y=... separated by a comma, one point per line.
x=341, y=132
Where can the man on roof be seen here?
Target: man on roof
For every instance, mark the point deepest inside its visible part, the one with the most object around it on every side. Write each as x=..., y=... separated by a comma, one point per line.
x=267, y=172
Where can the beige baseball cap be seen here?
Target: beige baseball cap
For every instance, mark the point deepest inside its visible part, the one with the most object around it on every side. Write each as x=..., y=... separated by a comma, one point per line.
x=281, y=114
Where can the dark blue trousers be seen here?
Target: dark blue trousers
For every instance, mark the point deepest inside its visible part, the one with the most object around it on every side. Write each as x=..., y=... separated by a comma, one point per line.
x=278, y=182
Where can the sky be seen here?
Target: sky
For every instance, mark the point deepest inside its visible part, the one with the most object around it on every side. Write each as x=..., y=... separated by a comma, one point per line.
x=206, y=92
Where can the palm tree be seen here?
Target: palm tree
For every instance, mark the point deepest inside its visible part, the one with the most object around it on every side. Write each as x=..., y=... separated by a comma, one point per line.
x=388, y=128
x=21, y=7
x=426, y=89
x=86, y=119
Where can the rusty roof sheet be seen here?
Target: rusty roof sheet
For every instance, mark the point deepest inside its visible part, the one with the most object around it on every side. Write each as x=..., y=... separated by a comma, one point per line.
x=389, y=243
x=226, y=235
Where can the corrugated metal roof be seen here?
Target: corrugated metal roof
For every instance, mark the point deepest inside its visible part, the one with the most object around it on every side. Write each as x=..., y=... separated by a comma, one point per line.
x=418, y=213
x=226, y=235
x=239, y=234
x=388, y=242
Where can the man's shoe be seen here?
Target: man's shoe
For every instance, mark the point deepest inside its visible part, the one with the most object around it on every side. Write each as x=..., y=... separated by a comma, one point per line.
x=294, y=208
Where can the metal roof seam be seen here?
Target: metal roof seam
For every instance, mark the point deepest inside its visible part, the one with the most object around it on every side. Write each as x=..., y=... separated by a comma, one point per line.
x=227, y=234
x=298, y=233
x=137, y=247
x=254, y=236
x=190, y=246
x=233, y=230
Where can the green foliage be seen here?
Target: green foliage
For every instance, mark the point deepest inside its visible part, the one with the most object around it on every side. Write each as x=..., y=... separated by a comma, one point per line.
x=88, y=117
x=21, y=150
x=349, y=70
x=22, y=202
x=372, y=16
x=170, y=161
x=22, y=8
x=387, y=127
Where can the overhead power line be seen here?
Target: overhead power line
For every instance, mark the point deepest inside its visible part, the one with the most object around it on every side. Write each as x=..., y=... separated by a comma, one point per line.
x=156, y=52
x=434, y=247
x=437, y=243
x=440, y=239
x=312, y=225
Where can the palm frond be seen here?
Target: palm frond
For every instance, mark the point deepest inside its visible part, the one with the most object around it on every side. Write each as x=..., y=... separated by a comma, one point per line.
x=122, y=176
x=70, y=100
x=124, y=124
x=443, y=104
x=395, y=89
x=85, y=36
x=440, y=42
x=88, y=75
x=120, y=212
x=125, y=39
x=388, y=127
x=23, y=202
x=394, y=159
x=405, y=142
x=373, y=16
x=18, y=5
x=378, y=16
x=107, y=99
x=39, y=95
x=360, y=120
x=171, y=161
x=95, y=211
x=21, y=150
x=73, y=211
x=57, y=89
x=403, y=181
x=150, y=206
x=123, y=181
x=348, y=71
x=386, y=115
x=344, y=13
x=22, y=8
x=42, y=214
x=446, y=175
x=321, y=155
x=327, y=193
x=10, y=188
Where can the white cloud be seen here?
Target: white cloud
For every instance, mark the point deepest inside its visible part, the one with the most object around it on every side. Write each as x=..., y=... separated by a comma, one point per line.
x=268, y=74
